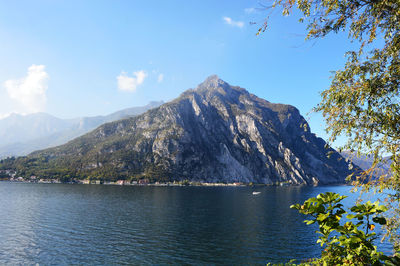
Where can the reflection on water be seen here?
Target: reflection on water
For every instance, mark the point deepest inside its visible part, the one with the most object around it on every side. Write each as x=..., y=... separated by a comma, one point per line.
x=79, y=224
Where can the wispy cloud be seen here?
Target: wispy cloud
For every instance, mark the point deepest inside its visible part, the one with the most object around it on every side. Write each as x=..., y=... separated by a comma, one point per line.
x=30, y=91
x=130, y=83
x=250, y=10
x=229, y=21
x=160, y=78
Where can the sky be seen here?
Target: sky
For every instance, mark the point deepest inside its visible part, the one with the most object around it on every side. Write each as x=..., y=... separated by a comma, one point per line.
x=85, y=58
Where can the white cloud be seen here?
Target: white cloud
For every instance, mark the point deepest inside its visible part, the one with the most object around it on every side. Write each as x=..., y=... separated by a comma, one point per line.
x=30, y=91
x=160, y=78
x=229, y=21
x=130, y=84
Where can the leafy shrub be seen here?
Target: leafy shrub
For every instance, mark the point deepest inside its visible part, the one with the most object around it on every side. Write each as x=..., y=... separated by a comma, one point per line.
x=347, y=242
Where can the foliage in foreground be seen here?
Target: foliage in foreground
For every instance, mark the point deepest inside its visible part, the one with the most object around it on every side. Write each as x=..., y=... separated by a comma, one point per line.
x=363, y=100
x=347, y=237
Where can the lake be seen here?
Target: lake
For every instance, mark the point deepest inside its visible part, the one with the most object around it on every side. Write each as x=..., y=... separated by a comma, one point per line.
x=98, y=224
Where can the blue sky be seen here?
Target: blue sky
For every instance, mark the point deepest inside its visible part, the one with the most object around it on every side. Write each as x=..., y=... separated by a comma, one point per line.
x=84, y=58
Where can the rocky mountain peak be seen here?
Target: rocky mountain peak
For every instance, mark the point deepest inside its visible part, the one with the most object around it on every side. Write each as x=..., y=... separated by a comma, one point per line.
x=214, y=133
x=214, y=88
x=213, y=83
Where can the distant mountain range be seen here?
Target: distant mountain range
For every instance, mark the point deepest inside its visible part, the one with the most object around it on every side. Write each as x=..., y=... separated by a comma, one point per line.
x=365, y=162
x=22, y=134
x=214, y=133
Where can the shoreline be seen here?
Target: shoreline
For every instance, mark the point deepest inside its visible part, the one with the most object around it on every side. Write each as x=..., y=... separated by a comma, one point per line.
x=169, y=184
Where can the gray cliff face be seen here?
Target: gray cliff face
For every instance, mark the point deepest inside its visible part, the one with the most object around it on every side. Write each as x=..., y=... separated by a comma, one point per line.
x=214, y=133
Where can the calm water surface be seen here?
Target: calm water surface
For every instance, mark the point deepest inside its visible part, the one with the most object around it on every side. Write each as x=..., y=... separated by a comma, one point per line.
x=95, y=224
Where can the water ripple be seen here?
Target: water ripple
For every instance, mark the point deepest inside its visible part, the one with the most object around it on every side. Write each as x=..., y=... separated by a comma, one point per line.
x=56, y=224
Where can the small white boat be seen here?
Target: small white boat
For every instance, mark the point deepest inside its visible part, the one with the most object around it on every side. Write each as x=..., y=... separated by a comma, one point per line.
x=256, y=192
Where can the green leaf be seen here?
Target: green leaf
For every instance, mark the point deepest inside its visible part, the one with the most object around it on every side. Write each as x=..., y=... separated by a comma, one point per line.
x=379, y=220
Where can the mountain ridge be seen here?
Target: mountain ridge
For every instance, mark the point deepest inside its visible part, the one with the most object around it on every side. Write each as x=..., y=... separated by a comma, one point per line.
x=365, y=162
x=214, y=133
x=23, y=134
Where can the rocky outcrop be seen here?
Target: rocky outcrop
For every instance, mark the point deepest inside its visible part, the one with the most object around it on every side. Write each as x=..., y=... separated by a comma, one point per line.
x=214, y=133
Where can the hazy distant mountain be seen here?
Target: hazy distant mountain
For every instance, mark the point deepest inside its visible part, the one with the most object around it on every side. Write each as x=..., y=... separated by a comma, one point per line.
x=365, y=162
x=214, y=133
x=21, y=128
x=20, y=135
